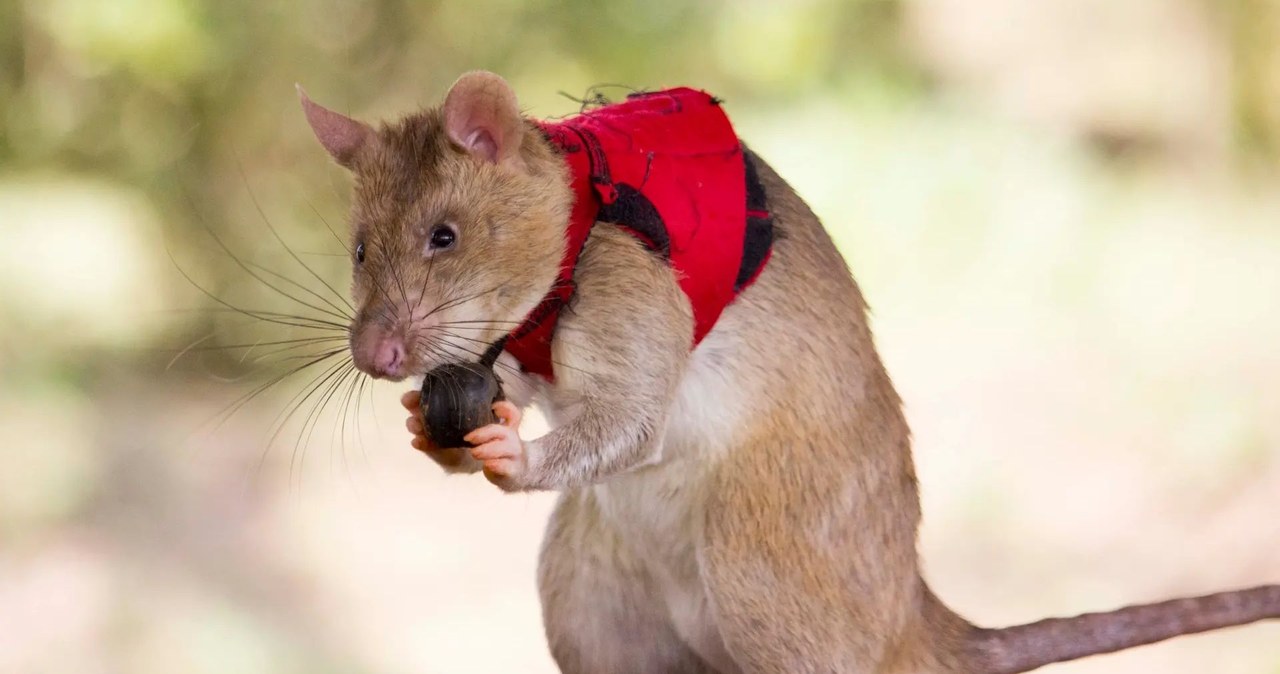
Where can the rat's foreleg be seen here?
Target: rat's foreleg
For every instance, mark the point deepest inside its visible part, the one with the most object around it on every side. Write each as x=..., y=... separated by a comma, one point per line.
x=620, y=354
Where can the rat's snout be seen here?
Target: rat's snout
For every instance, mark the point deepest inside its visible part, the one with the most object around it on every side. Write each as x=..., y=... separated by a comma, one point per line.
x=381, y=354
x=388, y=356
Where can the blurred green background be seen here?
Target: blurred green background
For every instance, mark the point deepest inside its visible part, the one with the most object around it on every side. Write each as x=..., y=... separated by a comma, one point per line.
x=1064, y=214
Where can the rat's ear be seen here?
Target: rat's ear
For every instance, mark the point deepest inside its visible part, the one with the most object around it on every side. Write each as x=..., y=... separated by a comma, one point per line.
x=481, y=117
x=340, y=135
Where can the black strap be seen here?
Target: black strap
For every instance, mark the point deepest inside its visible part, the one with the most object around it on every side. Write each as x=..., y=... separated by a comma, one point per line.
x=491, y=354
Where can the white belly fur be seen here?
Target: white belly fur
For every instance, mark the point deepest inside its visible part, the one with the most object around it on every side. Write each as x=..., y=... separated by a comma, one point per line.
x=658, y=510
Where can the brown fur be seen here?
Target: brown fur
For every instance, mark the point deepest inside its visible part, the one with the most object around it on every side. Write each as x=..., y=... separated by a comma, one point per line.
x=409, y=178
x=747, y=507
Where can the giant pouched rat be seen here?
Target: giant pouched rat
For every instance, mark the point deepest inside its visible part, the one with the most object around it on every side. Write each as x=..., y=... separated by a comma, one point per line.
x=745, y=505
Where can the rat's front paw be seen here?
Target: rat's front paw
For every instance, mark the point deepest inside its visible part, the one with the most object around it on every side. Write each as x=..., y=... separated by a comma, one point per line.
x=452, y=459
x=499, y=448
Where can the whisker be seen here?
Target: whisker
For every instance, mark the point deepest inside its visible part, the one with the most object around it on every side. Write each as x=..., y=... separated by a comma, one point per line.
x=264, y=316
x=254, y=198
x=342, y=312
x=501, y=329
x=341, y=429
x=292, y=406
x=381, y=289
x=476, y=354
x=404, y=297
x=328, y=341
x=248, y=270
x=422, y=292
x=271, y=314
x=283, y=359
x=448, y=304
x=358, y=432
x=277, y=342
x=329, y=227
x=557, y=363
x=185, y=350
x=227, y=412
x=373, y=411
x=317, y=409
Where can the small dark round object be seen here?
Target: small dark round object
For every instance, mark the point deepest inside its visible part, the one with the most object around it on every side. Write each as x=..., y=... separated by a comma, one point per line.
x=458, y=398
x=360, y=252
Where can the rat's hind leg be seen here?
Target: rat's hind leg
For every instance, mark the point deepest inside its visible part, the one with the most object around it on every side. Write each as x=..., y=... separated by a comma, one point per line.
x=601, y=610
x=817, y=574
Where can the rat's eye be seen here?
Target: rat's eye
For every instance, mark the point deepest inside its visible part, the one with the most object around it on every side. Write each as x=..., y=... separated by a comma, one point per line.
x=443, y=237
x=360, y=252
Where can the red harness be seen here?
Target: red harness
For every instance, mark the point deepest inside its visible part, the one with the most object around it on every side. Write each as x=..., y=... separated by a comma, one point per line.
x=668, y=167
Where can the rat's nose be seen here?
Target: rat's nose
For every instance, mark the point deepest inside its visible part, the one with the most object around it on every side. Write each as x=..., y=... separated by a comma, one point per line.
x=380, y=354
x=388, y=357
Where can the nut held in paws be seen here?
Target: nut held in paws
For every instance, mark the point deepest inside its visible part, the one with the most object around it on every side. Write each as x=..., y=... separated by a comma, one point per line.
x=458, y=398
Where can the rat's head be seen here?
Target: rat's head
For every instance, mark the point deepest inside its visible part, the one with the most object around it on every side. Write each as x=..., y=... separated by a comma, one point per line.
x=457, y=225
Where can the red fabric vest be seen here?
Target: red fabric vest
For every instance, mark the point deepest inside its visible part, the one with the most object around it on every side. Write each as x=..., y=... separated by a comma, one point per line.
x=668, y=167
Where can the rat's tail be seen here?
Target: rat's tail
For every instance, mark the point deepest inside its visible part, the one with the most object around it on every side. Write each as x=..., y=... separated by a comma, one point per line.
x=1025, y=647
